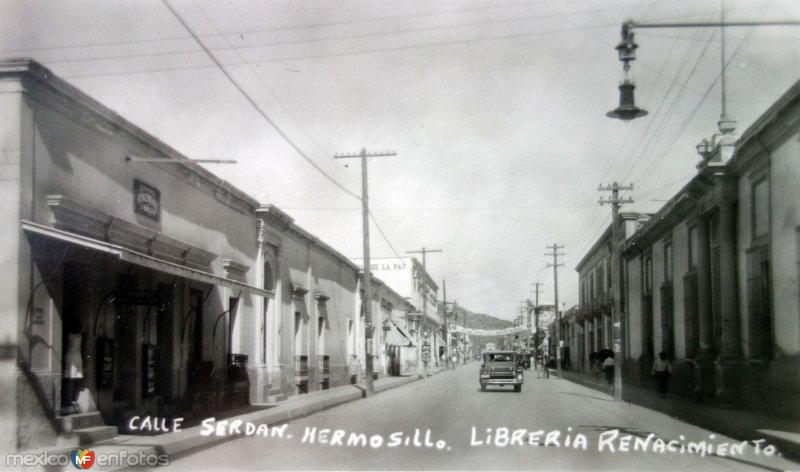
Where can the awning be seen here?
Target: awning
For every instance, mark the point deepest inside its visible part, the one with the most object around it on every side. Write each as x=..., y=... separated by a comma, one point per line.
x=393, y=337
x=408, y=336
x=140, y=259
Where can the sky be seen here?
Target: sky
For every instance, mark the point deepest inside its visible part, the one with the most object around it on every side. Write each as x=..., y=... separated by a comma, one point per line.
x=496, y=112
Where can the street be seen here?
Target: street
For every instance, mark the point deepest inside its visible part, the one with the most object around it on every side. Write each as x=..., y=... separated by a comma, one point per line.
x=446, y=423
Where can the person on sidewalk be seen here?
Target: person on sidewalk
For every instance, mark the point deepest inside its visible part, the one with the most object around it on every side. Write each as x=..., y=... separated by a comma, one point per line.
x=608, y=368
x=594, y=365
x=546, y=361
x=662, y=370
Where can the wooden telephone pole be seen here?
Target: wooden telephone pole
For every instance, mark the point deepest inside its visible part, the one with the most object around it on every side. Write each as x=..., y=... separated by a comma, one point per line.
x=619, y=332
x=424, y=251
x=555, y=265
x=367, y=302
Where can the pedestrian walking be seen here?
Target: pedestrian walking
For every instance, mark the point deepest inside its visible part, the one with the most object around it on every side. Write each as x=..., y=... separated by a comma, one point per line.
x=662, y=370
x=546, y=361
x=608, y=368
x=594, y=365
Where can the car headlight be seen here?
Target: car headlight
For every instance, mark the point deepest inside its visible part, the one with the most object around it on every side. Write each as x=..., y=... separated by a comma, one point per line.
x=519, y=377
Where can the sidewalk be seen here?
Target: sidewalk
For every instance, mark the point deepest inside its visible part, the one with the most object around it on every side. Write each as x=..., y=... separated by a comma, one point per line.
x=740, y=424
x=190, y=438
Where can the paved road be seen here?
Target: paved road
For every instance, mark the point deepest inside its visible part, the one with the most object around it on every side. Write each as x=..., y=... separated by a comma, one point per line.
x=446, y=423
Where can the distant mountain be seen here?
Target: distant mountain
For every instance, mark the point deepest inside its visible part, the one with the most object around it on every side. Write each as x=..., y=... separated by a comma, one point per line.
x=469, y=319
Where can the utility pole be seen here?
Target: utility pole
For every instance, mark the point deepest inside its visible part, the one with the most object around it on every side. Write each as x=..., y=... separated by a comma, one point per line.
x=423, y=251
x=444, y=318
x=616, y=317
x=555, y=265
x=455, y=321
x=369, y=328
x=536, y=316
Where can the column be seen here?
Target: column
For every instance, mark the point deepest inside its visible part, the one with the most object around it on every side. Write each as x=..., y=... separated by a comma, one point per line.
x=275, y=355
x=729, y=359
x=704, y=371
x=312, y=312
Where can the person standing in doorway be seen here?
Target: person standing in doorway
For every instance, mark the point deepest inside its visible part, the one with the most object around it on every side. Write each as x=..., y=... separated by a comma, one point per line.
x=662, y=370
x=608, y=368
x=73, y=371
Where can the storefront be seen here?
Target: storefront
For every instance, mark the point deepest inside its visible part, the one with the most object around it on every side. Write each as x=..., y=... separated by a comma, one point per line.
x=122, y=276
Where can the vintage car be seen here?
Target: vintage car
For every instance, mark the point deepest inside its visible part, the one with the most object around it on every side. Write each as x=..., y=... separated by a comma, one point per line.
x=501, y=368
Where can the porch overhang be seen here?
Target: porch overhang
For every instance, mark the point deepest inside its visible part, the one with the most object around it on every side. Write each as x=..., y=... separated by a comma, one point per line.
x=143, y=260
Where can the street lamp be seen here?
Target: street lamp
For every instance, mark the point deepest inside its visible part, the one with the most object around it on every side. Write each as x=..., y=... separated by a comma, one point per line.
x=704, y=148
x=627, y=109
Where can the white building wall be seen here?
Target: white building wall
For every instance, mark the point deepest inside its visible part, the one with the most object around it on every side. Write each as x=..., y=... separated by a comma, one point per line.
x=680, y=265
x=785, y=232
x=633, y=306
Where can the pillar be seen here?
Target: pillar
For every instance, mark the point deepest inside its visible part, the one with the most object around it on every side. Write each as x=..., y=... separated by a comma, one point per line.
x=704, y=370
x=729, y=360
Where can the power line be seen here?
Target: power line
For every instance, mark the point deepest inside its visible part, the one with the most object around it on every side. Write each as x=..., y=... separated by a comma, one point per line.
x=255, y=105
x=225, y=34
x=271, y=91
x=664, y=116
x=327, y=55
x=469, y=209
x=385, y=238
x=638, y=150
x=647, y=171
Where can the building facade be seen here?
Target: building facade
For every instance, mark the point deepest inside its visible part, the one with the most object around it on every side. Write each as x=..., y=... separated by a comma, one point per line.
x=423, y=321
x=138, y=283
x=591, y=328
x=121, y=275
x=712, y=278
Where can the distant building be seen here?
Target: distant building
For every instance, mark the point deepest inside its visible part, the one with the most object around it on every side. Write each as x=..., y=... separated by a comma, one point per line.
x=592, y=322
x=407, y=277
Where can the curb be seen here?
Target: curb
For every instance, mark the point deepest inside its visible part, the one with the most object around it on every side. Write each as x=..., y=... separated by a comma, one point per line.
x=186, y=441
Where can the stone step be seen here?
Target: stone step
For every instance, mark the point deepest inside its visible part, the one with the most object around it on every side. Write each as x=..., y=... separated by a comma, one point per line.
x=279, y=397
x=95, y=434
x=71, y=423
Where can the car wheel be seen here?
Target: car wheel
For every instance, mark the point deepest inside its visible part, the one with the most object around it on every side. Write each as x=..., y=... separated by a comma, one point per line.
x=483, y=388
x=517, y=388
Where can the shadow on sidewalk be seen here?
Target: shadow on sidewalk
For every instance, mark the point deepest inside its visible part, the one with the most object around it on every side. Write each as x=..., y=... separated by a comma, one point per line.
x=740, y=423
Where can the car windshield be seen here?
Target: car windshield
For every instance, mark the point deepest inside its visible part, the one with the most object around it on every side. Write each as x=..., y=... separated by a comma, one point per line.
x=500, y=357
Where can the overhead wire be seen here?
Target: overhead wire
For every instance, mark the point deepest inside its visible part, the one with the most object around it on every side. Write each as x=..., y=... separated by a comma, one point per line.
x=653, y=165
x=274, y=95
x=256, y=106
x=314, y=56
x=241, y=33
x=578, y=241
x=663, y=117
x=267, y=30
x=375, y=221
